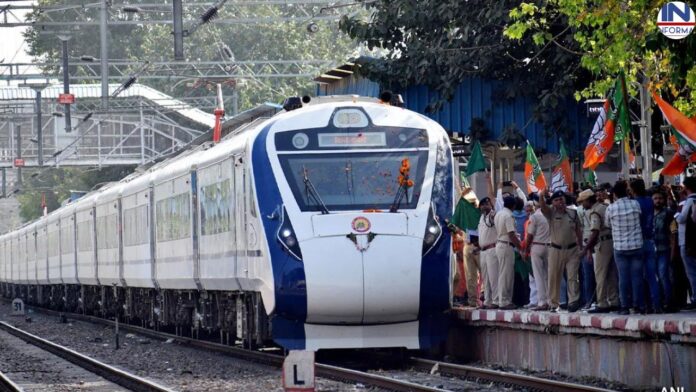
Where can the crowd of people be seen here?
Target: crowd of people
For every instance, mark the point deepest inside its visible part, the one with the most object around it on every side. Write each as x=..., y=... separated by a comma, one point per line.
x=620, y=248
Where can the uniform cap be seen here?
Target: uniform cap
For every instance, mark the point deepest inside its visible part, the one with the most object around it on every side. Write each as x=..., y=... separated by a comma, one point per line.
x=584, y=195
x=557, y=194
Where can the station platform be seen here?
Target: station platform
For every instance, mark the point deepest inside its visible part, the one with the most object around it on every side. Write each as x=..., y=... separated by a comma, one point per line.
x=635, y=351
x=679, y=326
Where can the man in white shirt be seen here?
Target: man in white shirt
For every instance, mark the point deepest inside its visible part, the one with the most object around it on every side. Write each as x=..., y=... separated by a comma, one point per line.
x=487, y=257
x=504, y=249
x=537, y=244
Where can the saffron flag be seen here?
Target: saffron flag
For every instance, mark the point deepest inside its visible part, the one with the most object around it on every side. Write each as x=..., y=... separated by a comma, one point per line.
x=601, y=139
x=476, y=162
x=532, y=172
x=685, y=133
x=561, y=177
x=619, y=111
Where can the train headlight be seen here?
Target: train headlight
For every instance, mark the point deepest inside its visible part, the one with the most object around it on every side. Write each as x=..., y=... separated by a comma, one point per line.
x=287, y=237
x=433, y=232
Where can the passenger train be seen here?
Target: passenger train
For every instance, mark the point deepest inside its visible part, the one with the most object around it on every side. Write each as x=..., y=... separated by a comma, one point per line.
x=321, y=227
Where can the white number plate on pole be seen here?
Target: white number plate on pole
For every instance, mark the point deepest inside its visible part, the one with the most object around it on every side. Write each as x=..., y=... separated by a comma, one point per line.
x=298, y=371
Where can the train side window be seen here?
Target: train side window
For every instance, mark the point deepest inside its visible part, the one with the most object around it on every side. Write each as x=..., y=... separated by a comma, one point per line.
x=66, y=239
x=84, y=236
x=173, y=216
x=135, y=224
x=216, y=207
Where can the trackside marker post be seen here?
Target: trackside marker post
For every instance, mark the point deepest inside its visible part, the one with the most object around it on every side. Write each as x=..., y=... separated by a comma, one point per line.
x=18, y=307
x=298, y=371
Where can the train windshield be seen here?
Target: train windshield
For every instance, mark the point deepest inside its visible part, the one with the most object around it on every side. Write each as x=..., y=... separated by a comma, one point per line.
x=353, y=181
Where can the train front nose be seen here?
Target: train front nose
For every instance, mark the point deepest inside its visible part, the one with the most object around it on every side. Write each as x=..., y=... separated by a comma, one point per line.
x=362, y=269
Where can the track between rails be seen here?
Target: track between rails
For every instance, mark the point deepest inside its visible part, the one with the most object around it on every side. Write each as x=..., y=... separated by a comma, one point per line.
x=117, y=376
x=504, y=378
x=355, y=376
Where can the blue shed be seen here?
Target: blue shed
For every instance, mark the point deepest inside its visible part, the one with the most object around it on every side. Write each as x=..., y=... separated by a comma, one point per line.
x=473, y=98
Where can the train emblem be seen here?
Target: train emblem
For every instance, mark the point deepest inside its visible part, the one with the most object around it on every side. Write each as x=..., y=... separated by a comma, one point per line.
x=361, y=224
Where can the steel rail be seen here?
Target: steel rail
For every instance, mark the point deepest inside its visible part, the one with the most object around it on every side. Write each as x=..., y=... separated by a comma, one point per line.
x=274, y=360
x=499, y=377
x=117, y=376
x=6, y=385
x=344, y=374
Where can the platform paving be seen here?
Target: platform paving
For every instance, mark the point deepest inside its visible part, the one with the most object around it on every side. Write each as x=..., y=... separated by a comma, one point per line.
x=681, y=324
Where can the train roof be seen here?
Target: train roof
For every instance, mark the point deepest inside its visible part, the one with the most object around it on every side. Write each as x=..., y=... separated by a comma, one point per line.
x=247, y=125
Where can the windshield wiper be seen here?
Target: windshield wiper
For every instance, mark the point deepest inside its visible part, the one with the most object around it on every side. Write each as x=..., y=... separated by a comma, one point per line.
x=404, y=184
x=311, y=193
x=400, y=193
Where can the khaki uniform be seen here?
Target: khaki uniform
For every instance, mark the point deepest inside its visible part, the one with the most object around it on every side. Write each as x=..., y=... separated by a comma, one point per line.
x=504, y=224
x=564, y=254
x=458, y=249
x=607, y=282
x=488, y=259
x=539, y=252
x=473, y=269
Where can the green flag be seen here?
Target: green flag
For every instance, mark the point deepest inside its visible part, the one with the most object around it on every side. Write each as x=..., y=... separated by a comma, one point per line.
x=619, y=112
x=466, y=215
x=476, y=161
x=591, y=178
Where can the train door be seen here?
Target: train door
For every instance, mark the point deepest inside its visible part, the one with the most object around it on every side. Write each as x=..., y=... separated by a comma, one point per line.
x=240, y=193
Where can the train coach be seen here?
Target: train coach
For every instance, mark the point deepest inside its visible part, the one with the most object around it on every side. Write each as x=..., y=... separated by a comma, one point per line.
x=319, y=228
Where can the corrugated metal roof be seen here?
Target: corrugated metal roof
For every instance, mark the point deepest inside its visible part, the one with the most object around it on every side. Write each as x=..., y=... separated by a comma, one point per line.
x=14, y=93
x=473, y=98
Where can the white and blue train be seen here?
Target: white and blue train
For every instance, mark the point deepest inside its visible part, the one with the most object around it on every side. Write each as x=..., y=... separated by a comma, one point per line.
x=319, y=228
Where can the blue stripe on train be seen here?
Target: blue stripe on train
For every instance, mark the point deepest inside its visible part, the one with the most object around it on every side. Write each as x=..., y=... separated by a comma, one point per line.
x=288, y=273
x=435, y=267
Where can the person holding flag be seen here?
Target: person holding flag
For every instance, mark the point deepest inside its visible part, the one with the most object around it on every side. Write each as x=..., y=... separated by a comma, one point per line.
x=562, y=178
x=533, y=174
x=465, y=220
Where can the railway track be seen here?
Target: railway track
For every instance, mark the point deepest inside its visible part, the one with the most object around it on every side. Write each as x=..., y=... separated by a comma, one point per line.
x=117, y=376
x=354, y=376
x=7, y=385
x=503, y=378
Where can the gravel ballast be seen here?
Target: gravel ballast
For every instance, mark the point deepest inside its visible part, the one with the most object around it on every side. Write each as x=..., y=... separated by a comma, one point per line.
x=170, y=364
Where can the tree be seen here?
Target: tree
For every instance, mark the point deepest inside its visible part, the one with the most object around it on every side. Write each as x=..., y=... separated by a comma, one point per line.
x=615, y=35
x=266, y=41
x=440, y=43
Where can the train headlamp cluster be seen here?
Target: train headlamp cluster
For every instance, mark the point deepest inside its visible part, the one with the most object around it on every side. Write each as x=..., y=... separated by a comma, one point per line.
x=433, y=232
x=287, y=237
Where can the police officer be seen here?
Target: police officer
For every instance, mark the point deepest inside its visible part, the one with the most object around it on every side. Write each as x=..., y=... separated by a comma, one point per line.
x=488, y=259
x=504, y=249
x=600, y=248
x=564, y=249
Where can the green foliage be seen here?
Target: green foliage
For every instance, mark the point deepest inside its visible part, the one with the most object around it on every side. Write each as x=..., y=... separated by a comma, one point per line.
x=266, y=41
x=57, y=185
x=440, y=43
x=615, y=35
x=248, y=42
